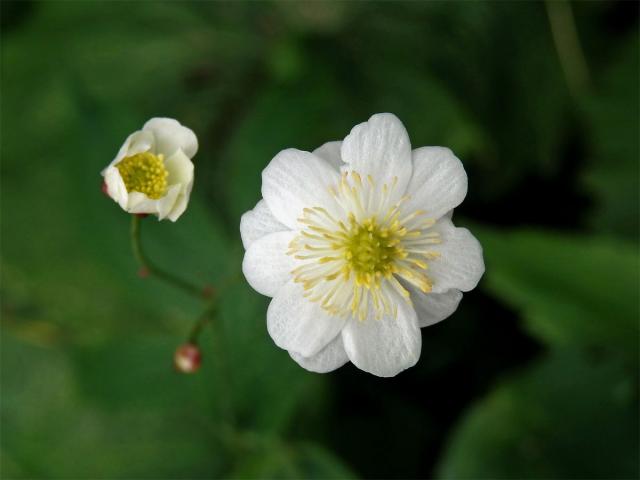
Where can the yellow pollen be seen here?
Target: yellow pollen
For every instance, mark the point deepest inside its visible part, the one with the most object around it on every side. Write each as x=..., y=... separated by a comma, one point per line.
x=144, y=173
x=369, y=249
x=353, y=258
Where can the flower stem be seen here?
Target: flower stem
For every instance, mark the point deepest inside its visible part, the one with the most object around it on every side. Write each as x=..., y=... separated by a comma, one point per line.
x=153, y=269
x=207, y=317
x=568, y=47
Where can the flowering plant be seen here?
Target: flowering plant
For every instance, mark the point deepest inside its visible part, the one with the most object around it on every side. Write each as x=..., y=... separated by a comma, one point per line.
x=356, y=245
x=354, y=242
x=153, y=173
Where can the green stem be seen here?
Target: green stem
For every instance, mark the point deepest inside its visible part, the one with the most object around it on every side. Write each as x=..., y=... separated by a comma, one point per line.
x=156, y=271
x=568, y=47
x=207, y=317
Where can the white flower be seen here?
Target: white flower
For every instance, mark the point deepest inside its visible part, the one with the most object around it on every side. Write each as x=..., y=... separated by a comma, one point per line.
x=356, y=246
x=153, y=173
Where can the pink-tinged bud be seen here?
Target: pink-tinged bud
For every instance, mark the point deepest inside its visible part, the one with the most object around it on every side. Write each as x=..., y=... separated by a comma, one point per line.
x=208, y=292
x=105, y=189
x=187, y=358
x=141, y=215
x=143, y=272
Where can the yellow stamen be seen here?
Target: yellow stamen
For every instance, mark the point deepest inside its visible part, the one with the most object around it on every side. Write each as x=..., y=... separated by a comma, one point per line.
x=353, y=258
x=144, y=173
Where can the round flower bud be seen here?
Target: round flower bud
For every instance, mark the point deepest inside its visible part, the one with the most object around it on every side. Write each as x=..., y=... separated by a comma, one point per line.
x=187, y=358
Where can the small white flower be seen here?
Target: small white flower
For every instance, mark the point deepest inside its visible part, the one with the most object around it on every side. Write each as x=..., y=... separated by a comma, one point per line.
x=153, y=173
x=356, y=246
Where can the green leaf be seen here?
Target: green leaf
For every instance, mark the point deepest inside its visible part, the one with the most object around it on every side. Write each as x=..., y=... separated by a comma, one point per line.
x=293, y=116
x=274, y=459
x=428, y=108
x=489, y=72
x=613, y=119
x=565, y=417
x=45, y=417
x=571, y=290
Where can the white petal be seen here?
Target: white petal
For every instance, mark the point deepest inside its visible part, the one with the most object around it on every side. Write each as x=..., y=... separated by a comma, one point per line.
x=266, y=265
x=181, y=203
x=257, y=223
x=294, y=180
x=387, y=346
x=381, y=148
x=330, y=153
x=438, y=183
x=137, y=142
x=167, y=203
x=116, y=188
x=433, y=307
x=139, y=202
x=170, y=136
x=299, y=325
x=460, y=264
x=180, y=169
x=331, y=357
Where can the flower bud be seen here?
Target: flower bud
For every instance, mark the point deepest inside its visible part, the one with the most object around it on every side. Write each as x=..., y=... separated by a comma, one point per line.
x=187, y=358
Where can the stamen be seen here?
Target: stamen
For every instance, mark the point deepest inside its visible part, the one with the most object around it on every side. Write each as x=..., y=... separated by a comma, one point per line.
x=352, y=259
x=145, y=173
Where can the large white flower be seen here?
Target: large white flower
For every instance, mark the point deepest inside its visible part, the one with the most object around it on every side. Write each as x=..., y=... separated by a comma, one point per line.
x=153, y=173
x=356, y=246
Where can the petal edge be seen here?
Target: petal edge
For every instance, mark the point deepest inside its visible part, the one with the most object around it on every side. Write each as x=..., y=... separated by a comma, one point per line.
x=299, y=325
x=387, y=346
x=330, y=358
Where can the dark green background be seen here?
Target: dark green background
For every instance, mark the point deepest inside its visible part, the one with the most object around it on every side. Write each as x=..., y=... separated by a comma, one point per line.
x=535, y=375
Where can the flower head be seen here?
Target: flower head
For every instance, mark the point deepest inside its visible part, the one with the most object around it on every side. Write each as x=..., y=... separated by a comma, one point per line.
x=356, y=246
x=153, y=173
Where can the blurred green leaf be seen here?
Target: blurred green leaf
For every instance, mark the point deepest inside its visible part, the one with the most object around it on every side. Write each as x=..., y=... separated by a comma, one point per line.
x=126, y=55
x=45, y=417
x=277, y=460
x=259, y=385
x=314, y=17
x=613, y=119
x=429, y=110
x=566, y=417
x=571, y=290
x=300, y=115
x=489, y=73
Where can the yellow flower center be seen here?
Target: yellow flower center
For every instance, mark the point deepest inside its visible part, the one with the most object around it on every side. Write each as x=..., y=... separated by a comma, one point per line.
x=144, y=173
x=352, y=258
x=370, y=249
